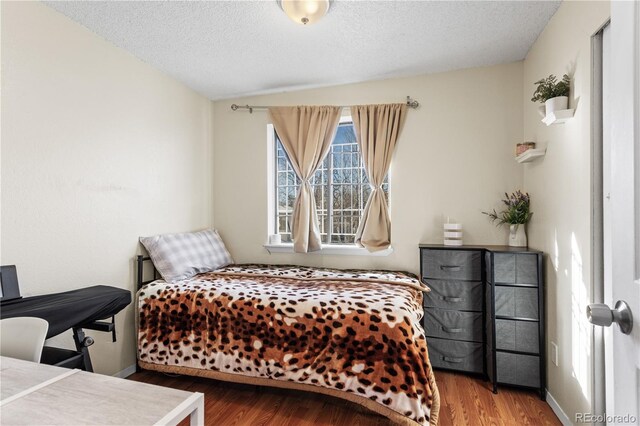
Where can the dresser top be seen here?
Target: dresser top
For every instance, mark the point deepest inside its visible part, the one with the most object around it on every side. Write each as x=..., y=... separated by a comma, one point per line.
x=495, y=249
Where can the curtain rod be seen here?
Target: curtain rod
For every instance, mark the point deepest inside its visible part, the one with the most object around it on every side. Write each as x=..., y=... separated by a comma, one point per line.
x=411, y=103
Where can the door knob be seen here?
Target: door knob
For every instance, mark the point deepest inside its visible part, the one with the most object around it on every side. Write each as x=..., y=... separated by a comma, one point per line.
x=602, y=315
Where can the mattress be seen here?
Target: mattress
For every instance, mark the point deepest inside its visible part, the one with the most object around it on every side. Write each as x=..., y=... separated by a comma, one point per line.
x=356, y=335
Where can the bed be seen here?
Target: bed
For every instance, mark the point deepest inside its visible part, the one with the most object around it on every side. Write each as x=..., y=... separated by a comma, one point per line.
x=355, y=335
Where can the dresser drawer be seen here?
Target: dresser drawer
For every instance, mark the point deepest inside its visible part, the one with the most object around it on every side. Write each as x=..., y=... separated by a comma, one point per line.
x=460, y=295
x=510, y=268
x=521, y=336
x=516, y=369
x=516, y=302
x=456, y=355
x=455, y=325
x=452, y=264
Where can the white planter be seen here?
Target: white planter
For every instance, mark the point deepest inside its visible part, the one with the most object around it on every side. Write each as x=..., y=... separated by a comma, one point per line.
x=517, y=236
x=556, y=104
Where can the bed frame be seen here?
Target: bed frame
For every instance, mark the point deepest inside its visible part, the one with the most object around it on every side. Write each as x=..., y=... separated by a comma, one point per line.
x=394, y=416
x=140, y=281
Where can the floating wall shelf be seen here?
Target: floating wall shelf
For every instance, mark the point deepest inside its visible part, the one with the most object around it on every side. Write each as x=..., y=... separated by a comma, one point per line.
x=530, y=155
x=558, y=117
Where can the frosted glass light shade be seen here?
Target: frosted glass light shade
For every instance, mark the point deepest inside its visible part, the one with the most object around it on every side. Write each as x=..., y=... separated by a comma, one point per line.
x=305, y=11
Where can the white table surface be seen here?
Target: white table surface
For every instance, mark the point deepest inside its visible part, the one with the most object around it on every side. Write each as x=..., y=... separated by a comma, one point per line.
x=42, y=394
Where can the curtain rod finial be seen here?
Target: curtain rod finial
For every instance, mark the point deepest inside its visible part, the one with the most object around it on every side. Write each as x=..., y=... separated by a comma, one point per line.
x=412, y=103
x=235, y=107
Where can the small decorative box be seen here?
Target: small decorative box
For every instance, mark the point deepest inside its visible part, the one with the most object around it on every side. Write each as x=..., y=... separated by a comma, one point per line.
x=524, y=146
x=452, y=234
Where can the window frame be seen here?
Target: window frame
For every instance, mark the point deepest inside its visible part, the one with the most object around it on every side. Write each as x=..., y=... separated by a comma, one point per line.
x=331, y=249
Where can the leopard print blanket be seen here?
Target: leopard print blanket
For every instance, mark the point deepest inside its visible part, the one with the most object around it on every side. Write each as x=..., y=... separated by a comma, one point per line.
x=354, y=332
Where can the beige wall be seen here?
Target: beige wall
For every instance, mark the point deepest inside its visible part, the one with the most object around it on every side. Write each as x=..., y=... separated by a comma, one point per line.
x=454, y=158
x=98, y=149
x=560, y=188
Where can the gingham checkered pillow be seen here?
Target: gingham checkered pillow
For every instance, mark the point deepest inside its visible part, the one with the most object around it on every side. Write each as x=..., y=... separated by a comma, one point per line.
x=181, y=256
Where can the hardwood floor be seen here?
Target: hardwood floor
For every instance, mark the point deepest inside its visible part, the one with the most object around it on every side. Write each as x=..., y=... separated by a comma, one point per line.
x=464, y=401
x=469, y=401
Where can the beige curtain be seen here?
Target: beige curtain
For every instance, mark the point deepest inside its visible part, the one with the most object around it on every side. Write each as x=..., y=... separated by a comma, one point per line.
x=377, y=129
x=306, y=133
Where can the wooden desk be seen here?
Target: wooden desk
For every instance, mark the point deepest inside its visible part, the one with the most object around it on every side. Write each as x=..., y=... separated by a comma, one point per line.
x=42, y=394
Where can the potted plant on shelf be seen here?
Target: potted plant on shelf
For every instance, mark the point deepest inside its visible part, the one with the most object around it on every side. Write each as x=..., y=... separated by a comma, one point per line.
x=552, y=93
x=516, y=215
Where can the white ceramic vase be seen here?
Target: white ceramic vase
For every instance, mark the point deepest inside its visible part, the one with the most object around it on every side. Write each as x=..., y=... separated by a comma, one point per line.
x=556, y=104
x=517, y=236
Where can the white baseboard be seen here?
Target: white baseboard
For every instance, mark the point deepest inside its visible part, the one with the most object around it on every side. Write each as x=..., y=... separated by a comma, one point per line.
x=559, y=412
x=126, y=372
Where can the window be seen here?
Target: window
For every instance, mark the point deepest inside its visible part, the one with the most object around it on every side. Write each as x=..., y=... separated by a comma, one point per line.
x=340, y=186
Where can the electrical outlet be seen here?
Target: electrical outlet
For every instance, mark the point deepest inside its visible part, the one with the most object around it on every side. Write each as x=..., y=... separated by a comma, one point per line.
x=554, y=353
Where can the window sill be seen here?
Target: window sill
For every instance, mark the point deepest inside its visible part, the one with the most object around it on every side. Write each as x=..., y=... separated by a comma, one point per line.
x=330, y=249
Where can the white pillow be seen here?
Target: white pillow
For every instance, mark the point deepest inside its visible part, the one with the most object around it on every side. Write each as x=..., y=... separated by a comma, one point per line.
x=181, y=256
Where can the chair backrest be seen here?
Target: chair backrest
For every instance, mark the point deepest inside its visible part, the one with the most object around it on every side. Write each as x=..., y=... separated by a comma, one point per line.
x=23, y=337
x=9, y=288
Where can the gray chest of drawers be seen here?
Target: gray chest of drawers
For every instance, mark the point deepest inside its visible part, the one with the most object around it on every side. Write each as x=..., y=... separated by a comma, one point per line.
x=485, y=312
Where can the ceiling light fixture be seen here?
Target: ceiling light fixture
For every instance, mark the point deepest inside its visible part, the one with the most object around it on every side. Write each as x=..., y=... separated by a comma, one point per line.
x=305, y=11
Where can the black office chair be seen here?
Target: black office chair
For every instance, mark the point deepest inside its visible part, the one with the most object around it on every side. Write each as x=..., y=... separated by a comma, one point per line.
x=9, y=289
x=9, y=292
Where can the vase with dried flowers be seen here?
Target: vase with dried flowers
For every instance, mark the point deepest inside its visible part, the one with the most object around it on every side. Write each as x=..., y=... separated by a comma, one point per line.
x=516, y=214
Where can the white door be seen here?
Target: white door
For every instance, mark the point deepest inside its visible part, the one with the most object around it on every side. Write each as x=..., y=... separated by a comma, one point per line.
x=621, y=208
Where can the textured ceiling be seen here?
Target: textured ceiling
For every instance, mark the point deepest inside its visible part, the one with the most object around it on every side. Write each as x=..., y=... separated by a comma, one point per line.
x=226, y=49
